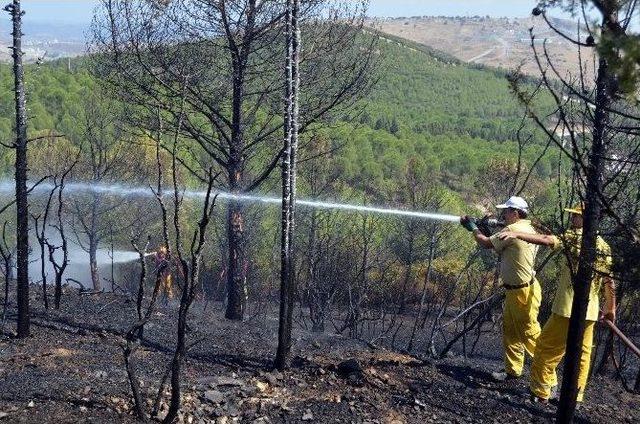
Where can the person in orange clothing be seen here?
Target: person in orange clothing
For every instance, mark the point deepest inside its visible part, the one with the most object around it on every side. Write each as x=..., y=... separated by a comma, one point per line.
x=551, y=344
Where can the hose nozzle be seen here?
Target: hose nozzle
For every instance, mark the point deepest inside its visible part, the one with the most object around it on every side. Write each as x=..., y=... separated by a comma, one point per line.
x=489, y=225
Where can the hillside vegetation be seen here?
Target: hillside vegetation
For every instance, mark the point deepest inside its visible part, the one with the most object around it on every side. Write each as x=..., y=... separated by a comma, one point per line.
x=450, y=117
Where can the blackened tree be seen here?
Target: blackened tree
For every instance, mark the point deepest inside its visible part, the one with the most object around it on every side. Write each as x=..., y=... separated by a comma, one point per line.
x=225, y=56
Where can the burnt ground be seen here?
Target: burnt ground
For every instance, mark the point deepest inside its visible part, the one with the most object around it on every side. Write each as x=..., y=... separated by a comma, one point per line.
x=72, y=370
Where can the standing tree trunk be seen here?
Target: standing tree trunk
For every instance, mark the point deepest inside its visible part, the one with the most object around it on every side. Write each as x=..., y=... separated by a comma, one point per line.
x=402, y=296
x=236, y=278
x=7, y=258
x=93, y=264
x=22, y=204
x=291, y=128
x=42, y=241
x=588, y=253
x=59, y=268
x=93, y=244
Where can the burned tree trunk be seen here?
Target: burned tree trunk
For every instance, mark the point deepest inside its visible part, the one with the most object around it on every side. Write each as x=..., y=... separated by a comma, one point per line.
x=42, y=241
x=315, y=300
x=190, y=271
x=423, y=297
x=236, y=277
x=588, y=253
x=143, y=275
x=135, y=332
x=93, y=251
x=22, y=204
x=243, y=120
x=59, y=267
x=291, y=128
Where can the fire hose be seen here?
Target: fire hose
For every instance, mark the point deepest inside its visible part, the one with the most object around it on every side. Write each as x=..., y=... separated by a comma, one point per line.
x=622, y=337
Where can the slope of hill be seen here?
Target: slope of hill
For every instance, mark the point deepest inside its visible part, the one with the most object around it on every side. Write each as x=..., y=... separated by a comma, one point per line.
x=452, y=116
x=496, y=42
x=449, y=115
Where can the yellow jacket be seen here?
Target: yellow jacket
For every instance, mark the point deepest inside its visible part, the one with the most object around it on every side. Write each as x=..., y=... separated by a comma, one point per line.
x=564, y=294
x=517, y=257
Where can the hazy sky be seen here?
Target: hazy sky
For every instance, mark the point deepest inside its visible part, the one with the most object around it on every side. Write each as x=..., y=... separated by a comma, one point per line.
x=80, y=11
x=512, y=8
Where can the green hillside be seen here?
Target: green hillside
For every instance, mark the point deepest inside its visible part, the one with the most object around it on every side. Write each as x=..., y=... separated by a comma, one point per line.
x=449, y=117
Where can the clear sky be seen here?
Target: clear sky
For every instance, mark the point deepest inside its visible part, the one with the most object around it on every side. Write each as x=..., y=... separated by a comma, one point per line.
x=80, y=11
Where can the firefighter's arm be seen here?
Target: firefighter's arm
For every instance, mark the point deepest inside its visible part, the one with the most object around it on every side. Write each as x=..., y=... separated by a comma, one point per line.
x=482, y=240
x=609, y=311
x=539, y=239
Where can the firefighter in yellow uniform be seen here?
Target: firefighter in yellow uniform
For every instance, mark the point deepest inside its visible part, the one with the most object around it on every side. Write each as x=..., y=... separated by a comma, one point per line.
x=552, y=342
x=166, y=282
x=523, y=292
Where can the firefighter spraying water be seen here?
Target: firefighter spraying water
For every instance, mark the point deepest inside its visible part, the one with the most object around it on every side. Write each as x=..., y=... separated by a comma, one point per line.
x=510, y=234
x=523, y=291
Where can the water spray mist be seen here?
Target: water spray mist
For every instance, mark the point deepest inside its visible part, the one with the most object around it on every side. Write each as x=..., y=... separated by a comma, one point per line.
x=124, y=191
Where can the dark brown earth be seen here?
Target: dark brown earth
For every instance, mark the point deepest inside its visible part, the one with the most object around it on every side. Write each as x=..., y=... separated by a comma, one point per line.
x=65, y=373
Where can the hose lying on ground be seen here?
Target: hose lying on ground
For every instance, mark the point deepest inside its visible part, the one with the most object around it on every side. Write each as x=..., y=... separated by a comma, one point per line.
x=624, y=338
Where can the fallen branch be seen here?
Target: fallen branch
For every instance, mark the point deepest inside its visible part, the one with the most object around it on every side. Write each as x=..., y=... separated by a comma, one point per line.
x=480, y=318
x=475, y=305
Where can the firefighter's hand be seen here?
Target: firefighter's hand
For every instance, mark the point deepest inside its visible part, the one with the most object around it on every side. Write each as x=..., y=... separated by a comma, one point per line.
x=468, y=223
x=609, y=315
x=507, y=235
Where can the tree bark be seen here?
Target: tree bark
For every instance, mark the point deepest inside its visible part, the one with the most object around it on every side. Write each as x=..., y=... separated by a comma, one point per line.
x=287, y=265
x=22, y=204
x=588, y=253
x=236, y=281
x=93, y=263
x=236, y=278
x=40, y=234
x=181, y=349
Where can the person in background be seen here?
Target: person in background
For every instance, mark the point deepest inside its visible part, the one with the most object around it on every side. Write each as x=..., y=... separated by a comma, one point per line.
x=523, y=292
x=166, y=280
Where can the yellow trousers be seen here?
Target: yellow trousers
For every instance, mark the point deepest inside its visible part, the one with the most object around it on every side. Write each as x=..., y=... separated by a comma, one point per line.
x=520, y=326
x=549, y=352
x=167, y=286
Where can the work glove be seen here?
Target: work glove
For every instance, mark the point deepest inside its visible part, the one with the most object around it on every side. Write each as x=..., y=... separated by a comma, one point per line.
x=468, y=223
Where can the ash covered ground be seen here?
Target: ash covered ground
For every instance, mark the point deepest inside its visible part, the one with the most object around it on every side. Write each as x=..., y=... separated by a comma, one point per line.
x=72, y=370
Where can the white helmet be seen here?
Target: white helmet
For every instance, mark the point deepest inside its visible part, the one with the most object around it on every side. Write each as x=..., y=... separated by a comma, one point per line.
x=515, y=202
